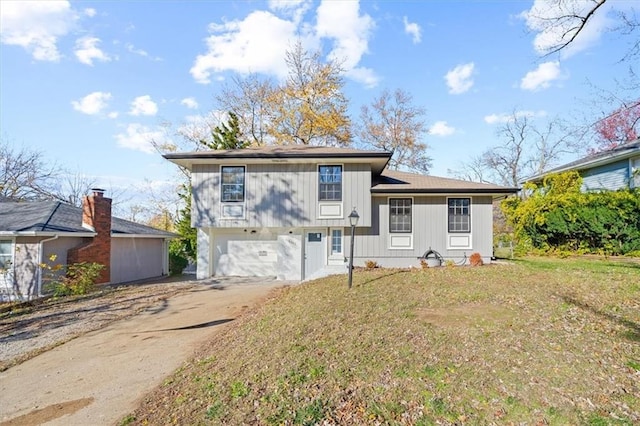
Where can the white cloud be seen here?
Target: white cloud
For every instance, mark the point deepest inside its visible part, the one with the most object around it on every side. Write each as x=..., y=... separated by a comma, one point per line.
x=459, y=79
x=92, y=104
x=258, y=43
x=413, y=30
x=190, y=103
x=113, y=114
x=141, y=138
x=36, y=26
x=90, y=12
x=506, y=118
x=87, y=50
x=441, y=128
x=541, y=77
x=131, y=48
x=143, y=105
x=556, y=23
x=350, y=31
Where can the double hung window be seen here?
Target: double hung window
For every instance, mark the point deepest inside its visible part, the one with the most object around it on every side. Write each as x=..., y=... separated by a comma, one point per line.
x=400, y=215
x=459, y=215
x=232, y=184
x=330, y=183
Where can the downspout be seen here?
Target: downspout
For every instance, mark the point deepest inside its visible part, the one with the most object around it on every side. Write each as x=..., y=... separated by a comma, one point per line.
x=41, y=261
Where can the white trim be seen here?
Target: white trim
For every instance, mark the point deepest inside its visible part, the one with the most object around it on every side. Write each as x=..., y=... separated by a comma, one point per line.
x=337, y=255
x=634, y=167
x=400, y=240
x=330, y=203
x=242, y=204
x=9, y=271
x=46, y=234
x=455, y=239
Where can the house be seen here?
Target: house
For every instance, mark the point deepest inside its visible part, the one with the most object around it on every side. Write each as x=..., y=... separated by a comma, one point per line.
x=282, y=211
x=614, y=169
x=31, y=232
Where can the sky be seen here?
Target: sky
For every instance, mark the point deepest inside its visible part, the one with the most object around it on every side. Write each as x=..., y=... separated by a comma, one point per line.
x=90, y=83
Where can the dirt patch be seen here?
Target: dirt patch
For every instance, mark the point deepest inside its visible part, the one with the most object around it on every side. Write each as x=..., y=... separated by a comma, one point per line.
x=28, y=330
x=46, y=414
x=466, y=315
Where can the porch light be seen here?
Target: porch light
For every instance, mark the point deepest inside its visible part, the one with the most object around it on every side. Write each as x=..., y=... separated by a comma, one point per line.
x=353, y=221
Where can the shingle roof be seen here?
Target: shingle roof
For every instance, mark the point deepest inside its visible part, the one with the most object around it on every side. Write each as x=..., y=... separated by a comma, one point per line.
x=378, y=159
x=393, y=181
x=55, y=216
x=620, y=152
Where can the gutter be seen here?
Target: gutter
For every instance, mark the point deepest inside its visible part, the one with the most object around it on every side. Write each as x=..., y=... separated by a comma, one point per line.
x=40, y=261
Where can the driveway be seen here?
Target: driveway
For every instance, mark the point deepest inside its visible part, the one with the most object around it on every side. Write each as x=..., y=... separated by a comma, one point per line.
x=98, y=378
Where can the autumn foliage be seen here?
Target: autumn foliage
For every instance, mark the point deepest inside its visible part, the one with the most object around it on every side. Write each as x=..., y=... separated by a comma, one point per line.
x=619, y=127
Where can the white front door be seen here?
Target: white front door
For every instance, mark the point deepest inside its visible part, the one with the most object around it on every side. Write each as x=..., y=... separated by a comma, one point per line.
x=314, y=251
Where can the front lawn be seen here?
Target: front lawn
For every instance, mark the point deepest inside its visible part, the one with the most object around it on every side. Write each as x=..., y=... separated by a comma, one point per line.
x=536, y=341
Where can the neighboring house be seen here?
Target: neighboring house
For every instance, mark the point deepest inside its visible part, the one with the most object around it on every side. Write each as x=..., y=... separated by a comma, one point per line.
x=283, y=211
x=31, y=232
x=614, y=169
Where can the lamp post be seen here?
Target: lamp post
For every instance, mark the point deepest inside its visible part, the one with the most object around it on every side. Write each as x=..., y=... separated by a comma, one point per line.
x=353, y=221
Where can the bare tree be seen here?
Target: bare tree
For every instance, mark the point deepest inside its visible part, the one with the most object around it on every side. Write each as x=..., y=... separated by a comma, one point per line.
x=25, y=175
x=524, y=150
x=393, y=123
x=249, y=99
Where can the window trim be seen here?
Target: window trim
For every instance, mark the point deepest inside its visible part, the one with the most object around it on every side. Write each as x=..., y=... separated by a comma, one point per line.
x=404, y=238
x=410, y=231
x=244, y=181
x=10, y=270
x=456, y=239
x=227, y=206
x=341, y=183
x=336, y=253
x=468, y=231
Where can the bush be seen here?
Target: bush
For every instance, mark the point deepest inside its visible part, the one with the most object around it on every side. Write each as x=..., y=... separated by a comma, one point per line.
x=80, y=278
x=178, y=258
x=475, y=259
x=371, y=264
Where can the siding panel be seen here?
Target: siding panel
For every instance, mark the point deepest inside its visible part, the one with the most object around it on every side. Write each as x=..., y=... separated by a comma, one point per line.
x=611, y=176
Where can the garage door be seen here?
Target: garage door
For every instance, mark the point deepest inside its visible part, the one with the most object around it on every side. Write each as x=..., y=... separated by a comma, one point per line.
x=245, y=254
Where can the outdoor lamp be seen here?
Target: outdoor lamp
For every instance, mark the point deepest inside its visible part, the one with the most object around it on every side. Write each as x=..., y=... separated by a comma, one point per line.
x=353, y=221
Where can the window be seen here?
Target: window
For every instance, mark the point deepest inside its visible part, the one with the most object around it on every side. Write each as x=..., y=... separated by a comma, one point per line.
x=232, y=184
x=459, y=215
x=330, y=183
x=336, y=241
x=6, y=254
x=400, y=215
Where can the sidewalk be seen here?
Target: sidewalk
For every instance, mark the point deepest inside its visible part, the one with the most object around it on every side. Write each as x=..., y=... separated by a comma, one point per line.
x=97, y=379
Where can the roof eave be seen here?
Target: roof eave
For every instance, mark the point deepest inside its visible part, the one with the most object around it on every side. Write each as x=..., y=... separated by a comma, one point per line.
x=124, y=235
x=46, y=234
x=500, y=191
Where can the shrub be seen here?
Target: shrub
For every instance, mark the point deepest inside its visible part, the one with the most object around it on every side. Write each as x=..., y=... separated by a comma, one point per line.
x=371, y=264
x=178, y=257
x=475, y=259
x=80, y=278
x=424, y=264
x=449, y=263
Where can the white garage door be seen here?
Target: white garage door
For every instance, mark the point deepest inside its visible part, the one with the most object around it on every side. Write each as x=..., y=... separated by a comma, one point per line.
x=245, y=254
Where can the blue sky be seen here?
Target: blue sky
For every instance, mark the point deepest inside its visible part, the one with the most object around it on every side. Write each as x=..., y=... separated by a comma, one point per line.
x=89, y=83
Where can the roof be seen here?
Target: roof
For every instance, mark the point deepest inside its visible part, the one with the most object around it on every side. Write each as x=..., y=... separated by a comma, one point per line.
x=393, y=181
x=620, y=152
x=50, y=217
x=282, y=153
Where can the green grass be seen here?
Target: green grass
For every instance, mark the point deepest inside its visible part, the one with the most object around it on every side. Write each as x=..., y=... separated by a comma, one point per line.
x=540, y=340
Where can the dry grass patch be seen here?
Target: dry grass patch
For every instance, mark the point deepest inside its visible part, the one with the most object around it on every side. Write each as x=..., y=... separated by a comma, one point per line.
x=539, y=341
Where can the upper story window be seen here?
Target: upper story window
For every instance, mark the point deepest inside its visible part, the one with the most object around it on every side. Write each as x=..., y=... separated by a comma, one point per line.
x=232, y=184
x=330, y=183
x=459, y=214
x=400, y=215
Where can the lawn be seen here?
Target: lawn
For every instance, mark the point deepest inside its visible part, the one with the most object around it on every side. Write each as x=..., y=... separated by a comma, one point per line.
x=537, y=341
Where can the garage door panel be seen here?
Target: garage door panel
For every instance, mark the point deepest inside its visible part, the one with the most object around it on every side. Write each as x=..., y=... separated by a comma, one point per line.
x=242, y=255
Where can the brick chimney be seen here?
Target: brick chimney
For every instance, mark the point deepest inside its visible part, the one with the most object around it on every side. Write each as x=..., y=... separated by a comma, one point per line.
x=96, y=216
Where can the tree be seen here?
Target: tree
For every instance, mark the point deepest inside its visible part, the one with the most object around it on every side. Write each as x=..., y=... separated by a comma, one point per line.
x=525, y=150
x=310, y=108
x=392, y=123
x=25, y=175
x=250, y=100
x=226, y=135
x=562, y=22
x=617, y=128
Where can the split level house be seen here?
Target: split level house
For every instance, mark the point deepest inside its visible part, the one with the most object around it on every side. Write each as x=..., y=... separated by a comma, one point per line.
x=283, y=211
x=610, y=170
x=32, y=233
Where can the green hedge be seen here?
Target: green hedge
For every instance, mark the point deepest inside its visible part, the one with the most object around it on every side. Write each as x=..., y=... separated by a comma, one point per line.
x=557, y=216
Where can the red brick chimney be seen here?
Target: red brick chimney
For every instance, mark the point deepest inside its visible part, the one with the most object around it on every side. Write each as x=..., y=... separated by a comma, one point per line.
x=96, y=216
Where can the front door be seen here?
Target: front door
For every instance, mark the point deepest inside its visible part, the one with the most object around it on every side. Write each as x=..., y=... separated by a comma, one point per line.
x=314, y=251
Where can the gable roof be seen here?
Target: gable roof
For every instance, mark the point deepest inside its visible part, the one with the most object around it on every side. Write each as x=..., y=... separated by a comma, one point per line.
x=282, y=153
x=620, y=152
x=55, y=217
x=393, y=181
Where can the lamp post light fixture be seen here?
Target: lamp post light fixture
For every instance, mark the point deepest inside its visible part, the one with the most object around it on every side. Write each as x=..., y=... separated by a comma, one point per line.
x=353, y=221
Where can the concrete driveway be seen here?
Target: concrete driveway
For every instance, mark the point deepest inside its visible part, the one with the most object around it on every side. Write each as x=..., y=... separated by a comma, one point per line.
x=97, y=379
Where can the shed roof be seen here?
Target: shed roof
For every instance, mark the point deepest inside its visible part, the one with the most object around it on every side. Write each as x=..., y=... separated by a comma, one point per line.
x=393, y=181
